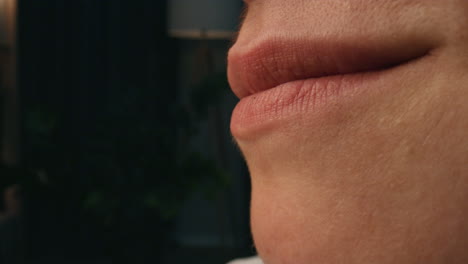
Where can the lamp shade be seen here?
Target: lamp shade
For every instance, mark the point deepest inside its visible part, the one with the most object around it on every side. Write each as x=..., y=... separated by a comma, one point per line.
x=211, y=19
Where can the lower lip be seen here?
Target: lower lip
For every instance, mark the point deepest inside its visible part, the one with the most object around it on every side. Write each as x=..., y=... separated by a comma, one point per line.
x=315, y=97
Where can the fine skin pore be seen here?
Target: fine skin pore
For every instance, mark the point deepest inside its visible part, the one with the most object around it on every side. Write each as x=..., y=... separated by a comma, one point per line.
x=376, y=172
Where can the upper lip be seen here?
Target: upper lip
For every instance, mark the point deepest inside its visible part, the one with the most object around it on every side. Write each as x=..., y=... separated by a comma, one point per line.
x=269, y=62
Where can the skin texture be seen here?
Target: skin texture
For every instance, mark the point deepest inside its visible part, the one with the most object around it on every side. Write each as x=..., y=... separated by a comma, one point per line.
x=381, y=178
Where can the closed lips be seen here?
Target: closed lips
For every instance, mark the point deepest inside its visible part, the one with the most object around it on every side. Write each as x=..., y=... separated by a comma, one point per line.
x=281, y=81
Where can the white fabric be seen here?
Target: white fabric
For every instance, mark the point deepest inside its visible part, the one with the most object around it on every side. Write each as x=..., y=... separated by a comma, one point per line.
x=251, y=260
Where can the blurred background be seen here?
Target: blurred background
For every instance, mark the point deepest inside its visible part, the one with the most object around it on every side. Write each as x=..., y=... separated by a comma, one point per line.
x=114, y=128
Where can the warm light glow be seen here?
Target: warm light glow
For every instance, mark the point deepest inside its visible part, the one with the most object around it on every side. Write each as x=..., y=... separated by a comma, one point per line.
x=7, y=22
x=3, y=22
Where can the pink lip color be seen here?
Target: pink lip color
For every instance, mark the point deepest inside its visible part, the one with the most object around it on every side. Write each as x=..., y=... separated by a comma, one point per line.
x=277, y=80
x=310, y=96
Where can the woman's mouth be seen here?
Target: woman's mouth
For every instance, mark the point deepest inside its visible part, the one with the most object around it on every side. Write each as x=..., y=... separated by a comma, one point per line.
x=279, y=79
